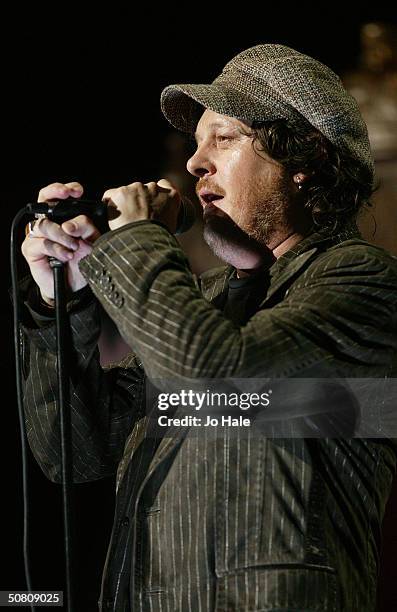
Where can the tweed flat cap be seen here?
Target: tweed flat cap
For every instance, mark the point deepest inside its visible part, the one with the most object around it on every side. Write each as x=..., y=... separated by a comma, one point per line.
x=270, y=82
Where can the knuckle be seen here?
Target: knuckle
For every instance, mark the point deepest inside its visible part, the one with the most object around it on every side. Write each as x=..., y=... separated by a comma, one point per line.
x=25, y=247
x=44, y=191
x=48, y=244
x=74, y=185
x=58, y=188
x=42, y=226
x=49, y=189
x=152, y=187
x=53, y=190
x=83, y=219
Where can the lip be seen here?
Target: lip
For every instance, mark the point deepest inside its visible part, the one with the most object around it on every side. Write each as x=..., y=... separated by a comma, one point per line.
x=211, y=209
x=208, y=197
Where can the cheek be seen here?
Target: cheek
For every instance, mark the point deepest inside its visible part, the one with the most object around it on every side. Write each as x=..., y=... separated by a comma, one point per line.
x=232, y=167
x=243, y=168
x=238, y=171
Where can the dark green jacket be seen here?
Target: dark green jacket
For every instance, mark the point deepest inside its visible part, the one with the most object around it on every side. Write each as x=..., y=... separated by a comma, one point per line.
x=226, y=523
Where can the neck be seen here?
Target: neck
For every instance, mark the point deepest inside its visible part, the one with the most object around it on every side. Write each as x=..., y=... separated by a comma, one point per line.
x=287, y=244
x=274, y=253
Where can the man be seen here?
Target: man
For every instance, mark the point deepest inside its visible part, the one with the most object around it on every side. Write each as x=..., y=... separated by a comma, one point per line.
x=223, y=522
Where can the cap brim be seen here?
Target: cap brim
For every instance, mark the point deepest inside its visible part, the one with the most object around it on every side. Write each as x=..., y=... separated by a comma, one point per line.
x=183, y=104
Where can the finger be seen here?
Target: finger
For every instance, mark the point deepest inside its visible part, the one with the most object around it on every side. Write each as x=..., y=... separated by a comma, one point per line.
x=44, y=228
x=124, y=193
x=165, y=184
x=117, y=192
x=152, y=188
x=60, y=191
x=143, y=198
x=157, y=189
x=76, y=188
x=109, y=193
x=81, y=227
x=35, y=249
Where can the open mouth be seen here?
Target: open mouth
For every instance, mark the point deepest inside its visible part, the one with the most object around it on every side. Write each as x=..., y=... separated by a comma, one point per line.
x=208, y=197
x=210, y=209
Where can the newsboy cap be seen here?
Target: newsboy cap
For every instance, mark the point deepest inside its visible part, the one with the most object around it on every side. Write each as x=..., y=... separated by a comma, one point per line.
x=269, y=82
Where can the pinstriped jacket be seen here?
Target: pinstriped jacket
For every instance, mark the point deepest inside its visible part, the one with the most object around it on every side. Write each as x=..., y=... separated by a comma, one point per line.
x=229, y=523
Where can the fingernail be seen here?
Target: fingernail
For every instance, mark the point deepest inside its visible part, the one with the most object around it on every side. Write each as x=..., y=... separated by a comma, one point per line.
x=70, y=225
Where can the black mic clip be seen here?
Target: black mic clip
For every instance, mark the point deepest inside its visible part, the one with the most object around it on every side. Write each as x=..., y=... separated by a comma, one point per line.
x=60, y=211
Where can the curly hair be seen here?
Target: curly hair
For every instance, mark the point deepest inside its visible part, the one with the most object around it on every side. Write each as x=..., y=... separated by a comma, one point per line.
x=337, y=188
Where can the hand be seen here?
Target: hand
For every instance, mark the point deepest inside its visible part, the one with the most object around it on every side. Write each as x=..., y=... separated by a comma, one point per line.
x=68, y=242
x=138, y=201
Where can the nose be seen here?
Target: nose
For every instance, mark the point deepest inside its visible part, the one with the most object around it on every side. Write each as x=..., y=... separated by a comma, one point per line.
x=200, y=164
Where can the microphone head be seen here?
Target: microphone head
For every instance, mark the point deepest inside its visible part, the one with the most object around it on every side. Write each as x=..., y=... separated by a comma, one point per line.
x=186, y=217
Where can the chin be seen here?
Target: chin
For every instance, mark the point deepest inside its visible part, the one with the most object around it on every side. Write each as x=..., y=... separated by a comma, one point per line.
x=234, y=248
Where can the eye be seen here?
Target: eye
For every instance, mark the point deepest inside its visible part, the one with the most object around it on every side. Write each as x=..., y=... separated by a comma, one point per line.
x=223, y=138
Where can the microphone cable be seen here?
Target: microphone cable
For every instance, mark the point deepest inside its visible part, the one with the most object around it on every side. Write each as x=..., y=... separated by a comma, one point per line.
x=18, y=344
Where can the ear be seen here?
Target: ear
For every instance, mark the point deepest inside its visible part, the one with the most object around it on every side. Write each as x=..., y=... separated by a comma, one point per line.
x=300, y=178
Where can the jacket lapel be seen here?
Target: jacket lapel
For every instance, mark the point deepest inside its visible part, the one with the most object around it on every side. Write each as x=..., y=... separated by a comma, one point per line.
x=288, y=274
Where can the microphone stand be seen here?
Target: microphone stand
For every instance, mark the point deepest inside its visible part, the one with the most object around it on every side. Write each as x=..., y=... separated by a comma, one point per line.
x=63, y=337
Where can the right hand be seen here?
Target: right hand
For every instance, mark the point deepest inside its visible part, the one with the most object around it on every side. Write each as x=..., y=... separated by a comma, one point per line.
x=69, y=242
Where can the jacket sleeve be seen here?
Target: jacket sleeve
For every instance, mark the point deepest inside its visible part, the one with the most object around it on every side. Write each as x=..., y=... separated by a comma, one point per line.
x=105, y=403
x=335, y=317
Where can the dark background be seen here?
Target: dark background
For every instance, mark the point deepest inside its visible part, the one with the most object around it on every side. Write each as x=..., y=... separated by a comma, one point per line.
x=80, y=99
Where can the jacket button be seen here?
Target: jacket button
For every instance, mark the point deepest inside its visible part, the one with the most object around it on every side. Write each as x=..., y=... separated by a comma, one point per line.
x=105, y=278
x=108, y=603
x=125, y=521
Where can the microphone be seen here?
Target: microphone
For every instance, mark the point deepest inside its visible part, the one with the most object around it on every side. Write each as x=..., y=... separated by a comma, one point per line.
x=62, y=210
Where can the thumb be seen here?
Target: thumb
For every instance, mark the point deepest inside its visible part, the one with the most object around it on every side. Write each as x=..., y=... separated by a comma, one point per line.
x=165, y=184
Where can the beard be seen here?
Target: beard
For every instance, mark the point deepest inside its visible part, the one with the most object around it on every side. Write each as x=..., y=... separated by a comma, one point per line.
x=230, y=242
x=271, y=214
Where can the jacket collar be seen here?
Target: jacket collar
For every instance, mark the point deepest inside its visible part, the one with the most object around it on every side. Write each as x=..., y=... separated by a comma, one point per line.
x=316, y=240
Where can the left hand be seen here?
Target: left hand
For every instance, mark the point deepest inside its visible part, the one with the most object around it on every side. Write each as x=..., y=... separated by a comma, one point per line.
x=138, y=201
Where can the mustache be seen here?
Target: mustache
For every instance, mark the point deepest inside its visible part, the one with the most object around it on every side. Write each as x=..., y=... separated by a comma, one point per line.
x=206, y=184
